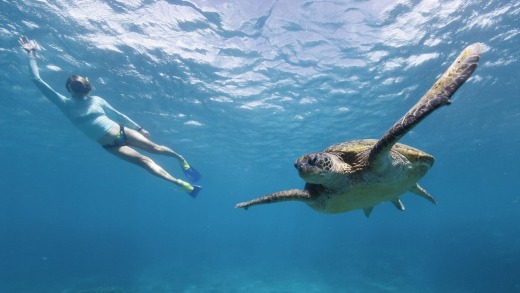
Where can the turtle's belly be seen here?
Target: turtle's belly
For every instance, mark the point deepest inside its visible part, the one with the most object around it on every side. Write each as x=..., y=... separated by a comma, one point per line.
x=359, y=198
x=365, y=195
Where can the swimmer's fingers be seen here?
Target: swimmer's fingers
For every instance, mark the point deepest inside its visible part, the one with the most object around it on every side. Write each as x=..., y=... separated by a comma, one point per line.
x=22, y=40
x=28, y=45
x=144, y=132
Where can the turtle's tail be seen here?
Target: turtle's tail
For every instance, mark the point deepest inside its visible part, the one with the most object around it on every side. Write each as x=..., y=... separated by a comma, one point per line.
x=286, y=195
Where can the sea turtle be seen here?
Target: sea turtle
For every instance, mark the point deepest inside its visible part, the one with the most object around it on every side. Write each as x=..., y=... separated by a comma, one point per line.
x=360, y=174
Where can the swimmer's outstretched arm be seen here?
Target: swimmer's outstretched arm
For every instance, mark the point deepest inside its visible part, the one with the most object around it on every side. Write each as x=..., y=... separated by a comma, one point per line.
x=112, y=113
x=30, y=46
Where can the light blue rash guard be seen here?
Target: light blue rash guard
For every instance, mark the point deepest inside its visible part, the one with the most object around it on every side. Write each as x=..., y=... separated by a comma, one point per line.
x=93, y=115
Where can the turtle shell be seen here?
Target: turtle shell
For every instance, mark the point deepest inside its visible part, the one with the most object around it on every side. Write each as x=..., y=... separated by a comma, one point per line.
x=351, y=150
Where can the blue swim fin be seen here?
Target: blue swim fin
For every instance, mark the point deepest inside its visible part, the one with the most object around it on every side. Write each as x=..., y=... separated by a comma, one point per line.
x=195, y=191
x=192, y=174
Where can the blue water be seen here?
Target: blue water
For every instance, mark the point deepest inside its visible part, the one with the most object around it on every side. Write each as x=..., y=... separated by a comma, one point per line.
x=242, y=89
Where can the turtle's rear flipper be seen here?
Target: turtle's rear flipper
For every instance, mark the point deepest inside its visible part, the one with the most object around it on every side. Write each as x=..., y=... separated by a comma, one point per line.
x=398, y=204
x=422, y=193
x=286, y=195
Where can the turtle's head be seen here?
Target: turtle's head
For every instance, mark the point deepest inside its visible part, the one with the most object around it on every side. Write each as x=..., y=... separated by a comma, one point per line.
x=319, y=168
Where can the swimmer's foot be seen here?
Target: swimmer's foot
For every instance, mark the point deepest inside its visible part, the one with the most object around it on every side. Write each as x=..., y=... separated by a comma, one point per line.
x=190, y=172
x=195, y=191
x=192, y=190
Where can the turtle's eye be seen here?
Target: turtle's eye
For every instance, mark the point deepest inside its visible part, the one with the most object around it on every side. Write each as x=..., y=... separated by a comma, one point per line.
x=310, y=162
x=313, y=159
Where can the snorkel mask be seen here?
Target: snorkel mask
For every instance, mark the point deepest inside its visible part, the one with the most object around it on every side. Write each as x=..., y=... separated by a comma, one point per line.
x=78, y=84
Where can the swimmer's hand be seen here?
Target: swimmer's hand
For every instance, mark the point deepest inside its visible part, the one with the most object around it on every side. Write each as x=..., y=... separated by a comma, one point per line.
x=30, y=46
x=144, y=132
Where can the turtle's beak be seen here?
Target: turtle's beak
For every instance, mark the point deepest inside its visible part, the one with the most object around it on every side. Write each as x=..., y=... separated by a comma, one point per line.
x=308, y=164
x=313, y=167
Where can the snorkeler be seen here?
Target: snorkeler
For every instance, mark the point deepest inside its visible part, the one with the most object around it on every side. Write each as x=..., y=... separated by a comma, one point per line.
x=95, y=117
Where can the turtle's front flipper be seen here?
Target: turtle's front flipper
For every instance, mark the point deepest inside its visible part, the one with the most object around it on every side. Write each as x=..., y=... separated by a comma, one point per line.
x=286, y=195
x=438, y=95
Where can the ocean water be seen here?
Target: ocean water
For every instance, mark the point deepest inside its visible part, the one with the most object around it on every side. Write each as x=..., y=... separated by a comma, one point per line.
x=241, y=89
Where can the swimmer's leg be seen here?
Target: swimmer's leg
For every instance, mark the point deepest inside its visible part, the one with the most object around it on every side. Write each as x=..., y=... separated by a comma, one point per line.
x=128, y=154
x=138, y=140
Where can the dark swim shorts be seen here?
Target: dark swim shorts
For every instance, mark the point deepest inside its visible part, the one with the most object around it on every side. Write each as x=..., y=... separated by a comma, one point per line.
x=120, y=140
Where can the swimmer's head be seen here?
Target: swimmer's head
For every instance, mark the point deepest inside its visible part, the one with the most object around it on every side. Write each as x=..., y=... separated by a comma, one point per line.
x=78, y=84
